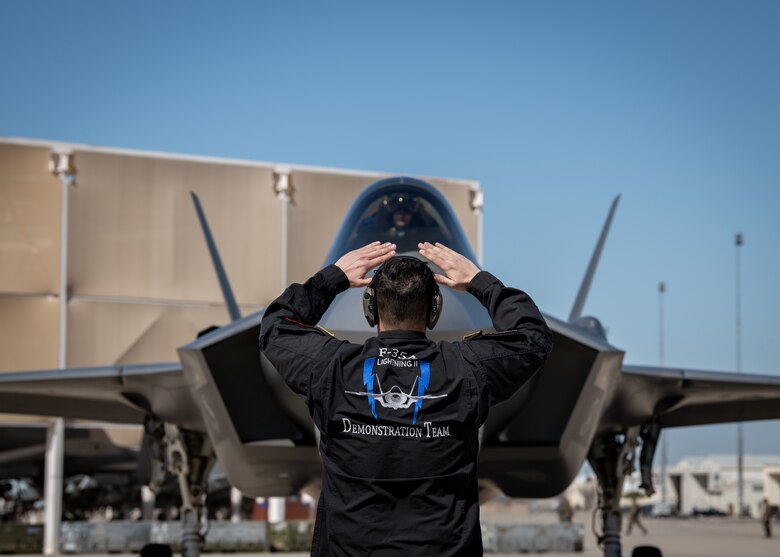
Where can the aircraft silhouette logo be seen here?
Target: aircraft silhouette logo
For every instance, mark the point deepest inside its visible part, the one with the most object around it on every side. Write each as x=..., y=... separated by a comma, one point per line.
x=395, y=398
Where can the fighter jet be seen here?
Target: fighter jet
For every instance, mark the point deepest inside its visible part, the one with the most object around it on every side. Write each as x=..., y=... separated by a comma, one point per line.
x=220, y=401
x=102, y=466
x=89, y=449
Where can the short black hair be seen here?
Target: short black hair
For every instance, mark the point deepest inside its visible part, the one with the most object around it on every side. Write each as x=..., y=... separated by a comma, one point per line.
x=404, y=288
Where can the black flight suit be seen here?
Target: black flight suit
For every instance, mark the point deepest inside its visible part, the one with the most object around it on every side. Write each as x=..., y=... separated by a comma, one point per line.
x=399, y=416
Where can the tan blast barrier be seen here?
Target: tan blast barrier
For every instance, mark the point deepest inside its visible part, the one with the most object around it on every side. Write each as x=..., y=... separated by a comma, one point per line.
x=140, y=278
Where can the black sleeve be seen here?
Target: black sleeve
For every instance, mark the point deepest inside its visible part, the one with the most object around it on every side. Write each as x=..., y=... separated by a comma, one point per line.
x=299, y=350
x=507, y=358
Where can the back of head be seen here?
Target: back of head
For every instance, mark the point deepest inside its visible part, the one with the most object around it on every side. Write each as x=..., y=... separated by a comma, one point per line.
x=404, y=288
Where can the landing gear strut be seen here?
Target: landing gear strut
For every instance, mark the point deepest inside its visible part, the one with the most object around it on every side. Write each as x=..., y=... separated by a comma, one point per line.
x=190, y=458
x=612, y=458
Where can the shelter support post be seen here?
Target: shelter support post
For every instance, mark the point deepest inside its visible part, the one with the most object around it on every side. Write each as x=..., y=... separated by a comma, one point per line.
x=235, y=504
x=148, y=499
x=55, y=449
x=283, y=188
x=61, y=165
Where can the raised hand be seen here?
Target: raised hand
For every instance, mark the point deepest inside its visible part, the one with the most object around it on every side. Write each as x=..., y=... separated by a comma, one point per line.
x=357, y=263
x=458, y=270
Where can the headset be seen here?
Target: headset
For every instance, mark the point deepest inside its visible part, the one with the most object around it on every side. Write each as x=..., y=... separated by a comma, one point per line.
x=369, y=296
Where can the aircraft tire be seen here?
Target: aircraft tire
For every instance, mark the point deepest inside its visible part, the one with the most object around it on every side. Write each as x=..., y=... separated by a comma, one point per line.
x=156, y=550
x=646, y=551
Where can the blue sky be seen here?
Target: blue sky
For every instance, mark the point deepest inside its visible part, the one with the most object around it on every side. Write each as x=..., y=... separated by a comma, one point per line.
x=556, y=107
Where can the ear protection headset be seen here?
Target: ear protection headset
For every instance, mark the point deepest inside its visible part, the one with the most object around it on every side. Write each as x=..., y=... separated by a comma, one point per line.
x=369, y=296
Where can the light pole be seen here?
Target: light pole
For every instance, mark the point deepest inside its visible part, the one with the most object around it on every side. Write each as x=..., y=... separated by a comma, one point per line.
x=664, y=445
x=738, y=241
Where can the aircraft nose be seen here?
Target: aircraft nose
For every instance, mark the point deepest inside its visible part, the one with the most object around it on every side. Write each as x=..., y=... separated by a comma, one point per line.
x=461, y=314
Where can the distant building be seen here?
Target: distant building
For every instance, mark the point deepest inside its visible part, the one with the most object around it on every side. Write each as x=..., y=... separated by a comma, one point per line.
x=710, y=482
x=772, y=485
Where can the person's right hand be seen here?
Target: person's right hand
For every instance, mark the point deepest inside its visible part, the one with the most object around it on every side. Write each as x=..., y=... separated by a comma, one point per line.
x=458, y=270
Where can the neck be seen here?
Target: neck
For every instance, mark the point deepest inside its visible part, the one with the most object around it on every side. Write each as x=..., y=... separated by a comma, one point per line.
x=402, y=326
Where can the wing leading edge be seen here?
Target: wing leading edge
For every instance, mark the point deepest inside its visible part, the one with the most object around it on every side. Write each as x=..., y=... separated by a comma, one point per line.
x=119, y=394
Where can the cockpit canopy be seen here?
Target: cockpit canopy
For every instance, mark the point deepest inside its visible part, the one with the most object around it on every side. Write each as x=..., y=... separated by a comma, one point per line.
x=404, y=211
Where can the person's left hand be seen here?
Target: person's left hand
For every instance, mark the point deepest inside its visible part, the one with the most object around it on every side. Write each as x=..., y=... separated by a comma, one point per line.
x=458, y=270
x=357, y=263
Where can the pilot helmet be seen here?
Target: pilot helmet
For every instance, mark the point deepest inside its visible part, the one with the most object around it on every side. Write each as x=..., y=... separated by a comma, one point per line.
x=400, y=201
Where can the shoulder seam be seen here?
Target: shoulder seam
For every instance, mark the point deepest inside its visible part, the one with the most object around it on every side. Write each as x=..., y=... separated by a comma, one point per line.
x=307, y=356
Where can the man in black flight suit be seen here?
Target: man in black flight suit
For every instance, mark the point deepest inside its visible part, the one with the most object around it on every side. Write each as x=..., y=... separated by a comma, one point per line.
x=399, y=416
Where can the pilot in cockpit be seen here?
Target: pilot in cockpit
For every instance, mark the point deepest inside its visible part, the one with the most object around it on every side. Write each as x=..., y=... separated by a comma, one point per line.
x=399, y=217
x=404, y=212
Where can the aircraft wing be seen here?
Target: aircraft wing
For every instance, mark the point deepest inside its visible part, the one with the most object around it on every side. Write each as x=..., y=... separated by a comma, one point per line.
x=681, y=397
x=119, y=394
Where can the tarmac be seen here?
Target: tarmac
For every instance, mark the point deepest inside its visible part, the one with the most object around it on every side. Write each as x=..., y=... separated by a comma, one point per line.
x=695, y=537
x=676, y=537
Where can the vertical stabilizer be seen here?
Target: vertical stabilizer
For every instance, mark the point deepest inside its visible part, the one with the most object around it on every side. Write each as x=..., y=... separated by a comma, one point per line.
x=582, y=295
x=227, y=292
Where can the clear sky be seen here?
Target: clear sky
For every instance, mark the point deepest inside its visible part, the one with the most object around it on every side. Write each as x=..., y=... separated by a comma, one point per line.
x=556, y=107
